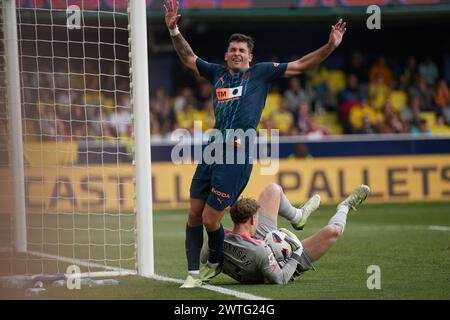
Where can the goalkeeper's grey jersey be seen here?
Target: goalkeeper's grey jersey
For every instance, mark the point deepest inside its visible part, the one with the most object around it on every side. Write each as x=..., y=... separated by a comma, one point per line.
x=249, y=260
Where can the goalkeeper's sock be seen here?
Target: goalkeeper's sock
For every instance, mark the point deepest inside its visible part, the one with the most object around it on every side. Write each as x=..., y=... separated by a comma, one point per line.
x=215, y=243
x=193, y=245
x=286, y=210
x=340, y=218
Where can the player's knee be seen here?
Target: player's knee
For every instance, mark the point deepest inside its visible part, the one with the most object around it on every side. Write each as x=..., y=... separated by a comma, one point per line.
x=333, y=232
x=272, y=190
x=211, y=223
x=195, y=218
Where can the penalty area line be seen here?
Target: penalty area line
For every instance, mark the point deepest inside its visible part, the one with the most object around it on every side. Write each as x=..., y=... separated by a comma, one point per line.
x=439, y=228
x=235, y=293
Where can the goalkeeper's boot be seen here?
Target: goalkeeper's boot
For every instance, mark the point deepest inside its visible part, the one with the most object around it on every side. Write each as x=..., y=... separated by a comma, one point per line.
x=309, y=207
x=209, y=271
x=358, y=195
x=192, y=281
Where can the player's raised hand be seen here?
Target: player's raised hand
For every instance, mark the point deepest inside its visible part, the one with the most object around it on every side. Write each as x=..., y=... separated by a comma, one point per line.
x=172, y=17
x=337, y=33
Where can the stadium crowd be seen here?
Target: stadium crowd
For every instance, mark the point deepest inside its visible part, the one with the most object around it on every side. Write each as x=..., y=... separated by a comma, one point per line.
x=360, y=98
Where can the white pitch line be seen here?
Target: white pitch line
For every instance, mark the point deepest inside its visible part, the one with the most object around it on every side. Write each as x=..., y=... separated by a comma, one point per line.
x=238, y=294
x=439, y=228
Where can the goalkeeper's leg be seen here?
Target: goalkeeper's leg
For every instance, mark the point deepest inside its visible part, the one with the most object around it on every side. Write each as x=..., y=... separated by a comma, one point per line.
x=322, y=241
x=274, y=202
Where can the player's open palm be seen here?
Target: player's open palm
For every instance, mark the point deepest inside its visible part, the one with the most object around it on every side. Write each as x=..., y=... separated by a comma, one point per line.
x=172, y=15
x=337, y=33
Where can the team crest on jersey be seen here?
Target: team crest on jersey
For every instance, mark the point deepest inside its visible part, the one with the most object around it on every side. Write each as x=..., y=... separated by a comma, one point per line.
x=276, y=64
x=228, y=94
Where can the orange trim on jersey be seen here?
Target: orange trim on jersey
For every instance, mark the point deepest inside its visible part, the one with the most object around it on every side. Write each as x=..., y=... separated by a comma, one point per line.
x=245, y=236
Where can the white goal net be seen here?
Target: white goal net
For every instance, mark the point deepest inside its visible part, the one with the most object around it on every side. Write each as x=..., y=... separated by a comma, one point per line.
x=77, y=133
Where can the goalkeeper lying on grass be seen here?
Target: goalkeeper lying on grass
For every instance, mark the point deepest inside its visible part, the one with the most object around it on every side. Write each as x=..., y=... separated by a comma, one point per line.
x=248, y=259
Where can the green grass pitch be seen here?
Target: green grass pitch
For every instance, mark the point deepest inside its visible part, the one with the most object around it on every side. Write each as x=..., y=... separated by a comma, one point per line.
x=414, y=259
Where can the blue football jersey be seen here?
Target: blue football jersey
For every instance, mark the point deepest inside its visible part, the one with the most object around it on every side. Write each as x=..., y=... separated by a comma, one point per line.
x=240, y=98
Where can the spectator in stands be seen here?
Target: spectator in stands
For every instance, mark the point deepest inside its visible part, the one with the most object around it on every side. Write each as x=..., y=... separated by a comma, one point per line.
x=360, y=113
x=421, y=128
x=357, y=67
x=300, y=151
x=109, y=134
x=78, y=120
x=367, y=127
x=412, y=113
x=62, y=132
x=185, y=97
x=108, y=101
x=302, y=117
x=429, y=71
x=295, y=94
x=442, y=101
x=209, y=117
x=398, y=97
x=155, y=133
x=95, y=124
x=378, y=93
x=186, y=117
x=420, y=90
x=273, y=101
x=283, y=119
x=48, y=123
x=352, y=91
x=315, y=132
x=409, y=71
x=440, y=127
x=159, y=99
x=155, y=125
x=120, y=119
x=62, y=106
x=204, y=92
x=381, y=69
x=165, y=119
x=318, y=78
x=391, y=122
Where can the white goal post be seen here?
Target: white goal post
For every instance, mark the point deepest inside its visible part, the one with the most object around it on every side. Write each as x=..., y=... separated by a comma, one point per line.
x=74, y=114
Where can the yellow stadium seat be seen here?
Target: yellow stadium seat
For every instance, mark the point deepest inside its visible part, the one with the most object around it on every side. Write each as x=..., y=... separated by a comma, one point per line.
x=329, y=121
x=336, y=80
x=272, y=105
x=398, y=99
x=430, y=117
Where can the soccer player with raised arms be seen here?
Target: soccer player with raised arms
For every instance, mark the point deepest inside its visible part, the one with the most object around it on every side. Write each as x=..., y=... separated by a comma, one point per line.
x=239, y=97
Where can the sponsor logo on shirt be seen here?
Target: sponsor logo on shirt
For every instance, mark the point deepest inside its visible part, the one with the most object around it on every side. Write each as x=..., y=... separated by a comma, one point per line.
x=220, y=193
x=228, y=94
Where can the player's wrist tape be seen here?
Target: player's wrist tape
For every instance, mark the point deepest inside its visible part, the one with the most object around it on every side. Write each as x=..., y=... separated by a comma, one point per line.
x=174, y=32
x=296, y=255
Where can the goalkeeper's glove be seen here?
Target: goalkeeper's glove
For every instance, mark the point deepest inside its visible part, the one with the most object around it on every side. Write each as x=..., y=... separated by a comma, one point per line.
x=292, y=239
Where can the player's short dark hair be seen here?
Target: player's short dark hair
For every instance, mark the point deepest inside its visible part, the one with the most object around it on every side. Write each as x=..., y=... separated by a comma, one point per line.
x=243, y=210
x=239, y=37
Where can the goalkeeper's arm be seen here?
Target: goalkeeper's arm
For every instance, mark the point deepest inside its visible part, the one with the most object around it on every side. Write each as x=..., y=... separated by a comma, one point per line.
x=279, y=273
